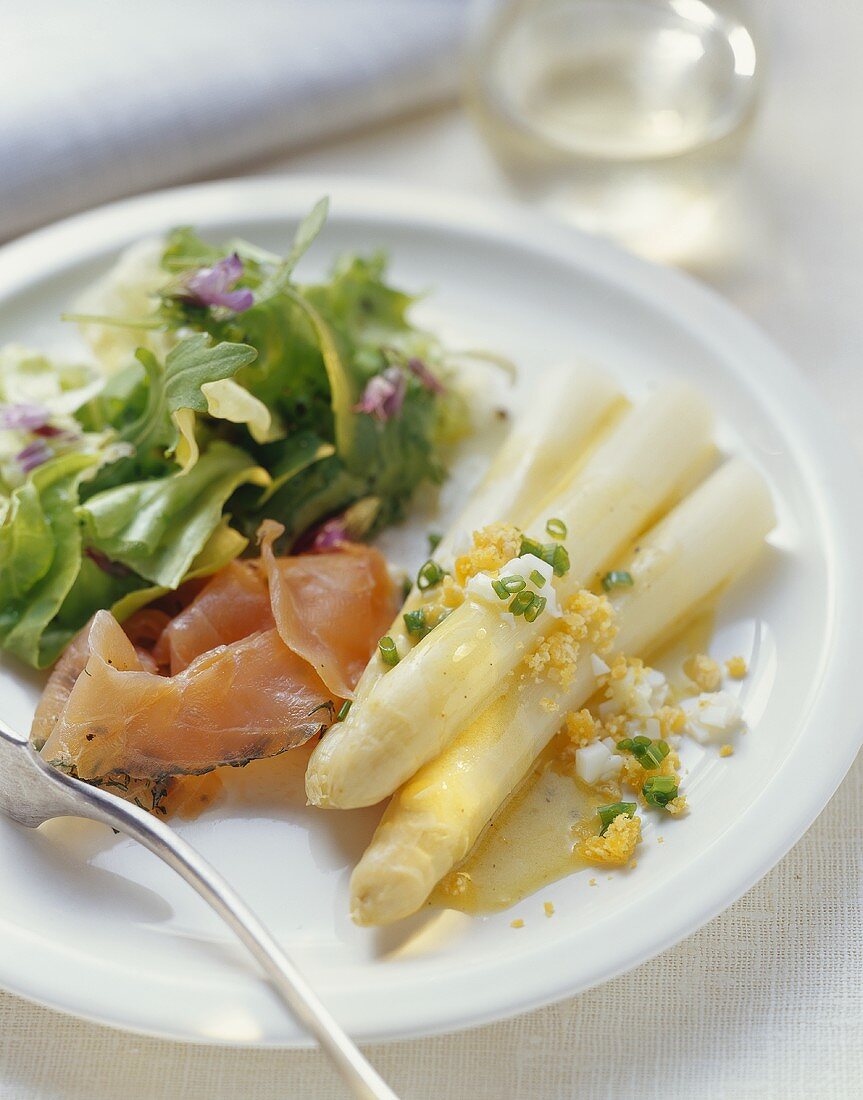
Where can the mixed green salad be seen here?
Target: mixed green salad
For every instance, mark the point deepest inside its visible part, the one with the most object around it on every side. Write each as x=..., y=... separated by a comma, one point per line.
x=222, y=392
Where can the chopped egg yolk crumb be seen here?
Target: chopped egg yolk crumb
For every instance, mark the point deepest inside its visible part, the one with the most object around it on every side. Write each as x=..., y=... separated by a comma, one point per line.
x=588, y=618
x=493, y=546
x=726, y=750
x=549, y=908
x=703, y=671
x=581, y=727
x=618, y=844
x=518, y=923
x=677, y=806
x=736, y=667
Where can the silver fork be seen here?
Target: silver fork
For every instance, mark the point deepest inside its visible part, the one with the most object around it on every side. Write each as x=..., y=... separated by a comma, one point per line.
x=32, y=792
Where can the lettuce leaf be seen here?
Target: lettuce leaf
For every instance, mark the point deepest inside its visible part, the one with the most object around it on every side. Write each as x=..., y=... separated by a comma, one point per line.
x=40, y=556
x=156, y=527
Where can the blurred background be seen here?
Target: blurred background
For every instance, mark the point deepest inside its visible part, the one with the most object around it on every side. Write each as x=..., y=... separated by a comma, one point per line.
x=720, y=136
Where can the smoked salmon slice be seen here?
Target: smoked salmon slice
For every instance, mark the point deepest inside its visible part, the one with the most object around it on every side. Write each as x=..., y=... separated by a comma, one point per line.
x=234, y=604
x=332, y=608
x=252, y=698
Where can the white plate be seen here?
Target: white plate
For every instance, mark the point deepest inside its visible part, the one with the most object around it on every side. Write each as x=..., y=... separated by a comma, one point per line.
x=91, y=924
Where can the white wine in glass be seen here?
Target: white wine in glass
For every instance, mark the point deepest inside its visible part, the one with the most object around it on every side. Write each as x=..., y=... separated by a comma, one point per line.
x=622, y=116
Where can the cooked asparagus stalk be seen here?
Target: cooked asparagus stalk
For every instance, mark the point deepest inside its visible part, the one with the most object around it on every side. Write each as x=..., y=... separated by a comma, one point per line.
x=560, y=422
x=435, y=819
x=632, y=476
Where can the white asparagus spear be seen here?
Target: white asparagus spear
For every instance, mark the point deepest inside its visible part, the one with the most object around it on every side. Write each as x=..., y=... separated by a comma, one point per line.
x=418, y=706
x=561, y=420
x=436, y=818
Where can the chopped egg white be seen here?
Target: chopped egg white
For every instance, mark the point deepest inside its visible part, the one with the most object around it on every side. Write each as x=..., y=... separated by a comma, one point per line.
x=712, y=716
x=480, y=585
x=597, y=762
x=598, y=666
x=639, y=694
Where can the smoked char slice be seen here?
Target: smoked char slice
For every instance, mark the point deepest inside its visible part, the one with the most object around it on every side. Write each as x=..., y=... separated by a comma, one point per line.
x=331, y=608
x=250, y=699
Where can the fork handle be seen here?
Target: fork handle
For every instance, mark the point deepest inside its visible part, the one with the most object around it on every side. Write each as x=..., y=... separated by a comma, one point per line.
x=361, y=1077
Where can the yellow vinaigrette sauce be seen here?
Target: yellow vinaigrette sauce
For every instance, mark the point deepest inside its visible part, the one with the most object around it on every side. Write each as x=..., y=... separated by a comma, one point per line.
x=533, y=839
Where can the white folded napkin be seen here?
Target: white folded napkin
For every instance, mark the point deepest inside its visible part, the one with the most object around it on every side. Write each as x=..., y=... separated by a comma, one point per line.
x=103, y=98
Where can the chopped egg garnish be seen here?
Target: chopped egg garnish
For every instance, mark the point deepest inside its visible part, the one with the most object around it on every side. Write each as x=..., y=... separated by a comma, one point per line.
x=711, y=716
x=598, y=666
x=492, y=546
x=518, y=923
x=549, y=908
x=617, y=845
x=726, y=750
x=598, y=763
x=703, y=671
x=736, y=668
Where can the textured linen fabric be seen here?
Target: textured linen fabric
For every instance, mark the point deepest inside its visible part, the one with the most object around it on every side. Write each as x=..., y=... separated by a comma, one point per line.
x=102, y=98
x=767, y=999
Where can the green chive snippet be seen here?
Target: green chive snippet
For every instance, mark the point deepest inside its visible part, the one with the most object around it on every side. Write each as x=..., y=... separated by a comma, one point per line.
x=521, y=603
x=559, y=560
x=556, y=528
x=434, y=541
x=389, y=653
x=607, y=814
x=537, y=578
x=649, y=754
x=343, y=710
x=530, y=546
x=429, y=575
x=659, y=790
x=415, y=621
x=617, y=578
x=533, y=612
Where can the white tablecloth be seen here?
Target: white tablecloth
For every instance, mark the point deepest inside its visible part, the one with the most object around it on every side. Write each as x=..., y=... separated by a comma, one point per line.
x=767, y=1000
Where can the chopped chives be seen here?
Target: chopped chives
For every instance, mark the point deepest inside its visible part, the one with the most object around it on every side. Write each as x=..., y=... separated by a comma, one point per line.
x=430, y=574
x=415, y=621
x=388, y=651
x=659, y=790
x=434, y=541
x=556, y=528
x=531, y=546
x=521, y=603
x=537, y=578
x=617, y=578
x=343, y=710
x=607, y=814
x=559, y=560
x=649, y=754
x=552, y=553
x=533, y=612
x=513, y=583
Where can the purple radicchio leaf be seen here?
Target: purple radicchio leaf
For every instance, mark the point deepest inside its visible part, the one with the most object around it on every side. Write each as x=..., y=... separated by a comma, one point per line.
x=212, y=286
x=420, y=371
x=384, y=395
x=33, y=455
x=23, y=417
x=329, y=536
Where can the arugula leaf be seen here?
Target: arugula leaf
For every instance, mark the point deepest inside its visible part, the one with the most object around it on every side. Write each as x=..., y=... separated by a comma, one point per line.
x=177, y=385
x=156, y=527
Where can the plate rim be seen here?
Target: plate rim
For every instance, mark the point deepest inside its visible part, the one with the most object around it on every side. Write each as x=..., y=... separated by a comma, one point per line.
x=832, y=467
